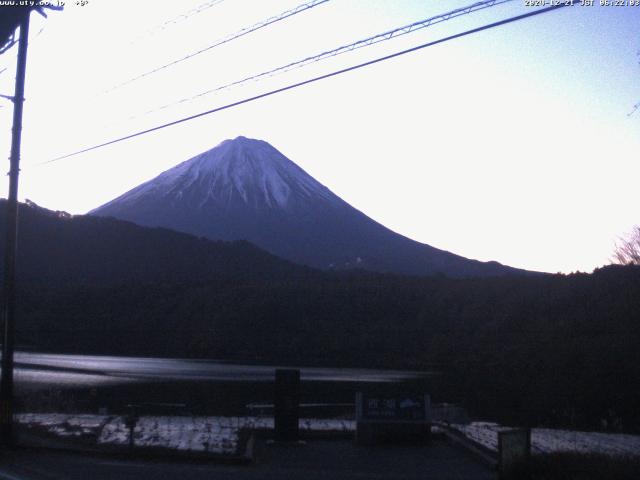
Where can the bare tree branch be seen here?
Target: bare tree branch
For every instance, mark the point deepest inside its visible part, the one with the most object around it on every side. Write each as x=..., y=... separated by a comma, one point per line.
x=636, y=107
x=627, y=250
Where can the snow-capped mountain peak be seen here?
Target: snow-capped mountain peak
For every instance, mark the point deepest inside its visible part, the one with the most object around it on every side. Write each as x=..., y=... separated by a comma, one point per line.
x=246, y=168
x=245, y=189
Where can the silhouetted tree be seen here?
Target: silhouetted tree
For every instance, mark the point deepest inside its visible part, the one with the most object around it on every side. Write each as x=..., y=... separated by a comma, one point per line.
x=627, y=250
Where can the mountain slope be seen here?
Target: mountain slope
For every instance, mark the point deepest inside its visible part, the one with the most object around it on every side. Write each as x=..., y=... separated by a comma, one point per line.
x=245, y=189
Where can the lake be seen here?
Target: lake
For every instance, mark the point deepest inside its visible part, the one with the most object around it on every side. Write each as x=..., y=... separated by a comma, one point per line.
x=63, y=370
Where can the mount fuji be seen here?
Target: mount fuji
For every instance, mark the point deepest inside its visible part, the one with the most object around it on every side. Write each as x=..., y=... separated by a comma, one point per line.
x=245, y=189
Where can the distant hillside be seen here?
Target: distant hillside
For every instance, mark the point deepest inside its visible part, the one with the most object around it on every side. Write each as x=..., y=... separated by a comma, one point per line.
x=58, y=249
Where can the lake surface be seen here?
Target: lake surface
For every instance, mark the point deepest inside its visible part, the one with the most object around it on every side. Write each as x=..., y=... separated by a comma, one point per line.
x=35, y=369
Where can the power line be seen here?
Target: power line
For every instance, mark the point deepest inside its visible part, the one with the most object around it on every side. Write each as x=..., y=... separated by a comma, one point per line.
x=381, y=37
x=184, y=16
x=240, y=33
x=314, y=79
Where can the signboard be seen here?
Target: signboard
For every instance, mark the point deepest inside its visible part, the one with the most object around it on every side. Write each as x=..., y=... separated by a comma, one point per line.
x=389, y=418
x=405, y=407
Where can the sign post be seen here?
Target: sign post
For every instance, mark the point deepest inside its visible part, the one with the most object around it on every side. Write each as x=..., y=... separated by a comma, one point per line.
x=514, y=449
x=287, y=404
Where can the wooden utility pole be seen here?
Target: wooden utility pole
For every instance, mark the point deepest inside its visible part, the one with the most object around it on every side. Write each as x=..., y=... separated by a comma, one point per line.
x=9, y=289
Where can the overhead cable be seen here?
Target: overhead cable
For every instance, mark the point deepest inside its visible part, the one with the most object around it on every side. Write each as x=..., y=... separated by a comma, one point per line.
x=185, y=16
x=240, y=33
x=381, y=37
x=313, y=80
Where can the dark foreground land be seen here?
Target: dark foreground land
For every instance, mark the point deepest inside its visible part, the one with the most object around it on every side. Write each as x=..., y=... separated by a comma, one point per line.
x=316, y=459
x=579, y=466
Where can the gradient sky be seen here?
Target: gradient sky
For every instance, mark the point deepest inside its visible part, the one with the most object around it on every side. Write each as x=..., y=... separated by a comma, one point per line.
x=513, y=144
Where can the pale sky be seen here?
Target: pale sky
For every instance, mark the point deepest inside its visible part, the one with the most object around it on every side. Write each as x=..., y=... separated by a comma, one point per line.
x=512, y=144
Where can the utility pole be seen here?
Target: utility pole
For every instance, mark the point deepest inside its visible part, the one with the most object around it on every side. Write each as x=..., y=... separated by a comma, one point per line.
x=9, y=289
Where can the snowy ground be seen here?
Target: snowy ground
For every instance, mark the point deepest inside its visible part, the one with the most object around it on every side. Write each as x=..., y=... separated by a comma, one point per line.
x=545, y=440
x=218, y=435
x=221, y=435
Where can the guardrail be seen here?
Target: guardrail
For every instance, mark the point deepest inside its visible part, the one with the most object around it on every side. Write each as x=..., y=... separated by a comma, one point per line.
x=267, y=409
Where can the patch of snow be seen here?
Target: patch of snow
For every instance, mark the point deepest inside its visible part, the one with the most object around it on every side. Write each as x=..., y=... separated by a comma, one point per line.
x=220, y=435
x=64, y=425
x=546, y=440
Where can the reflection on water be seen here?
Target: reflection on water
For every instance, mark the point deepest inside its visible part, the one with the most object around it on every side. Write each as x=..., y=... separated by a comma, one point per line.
x=28, y=377
x=87, y=370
